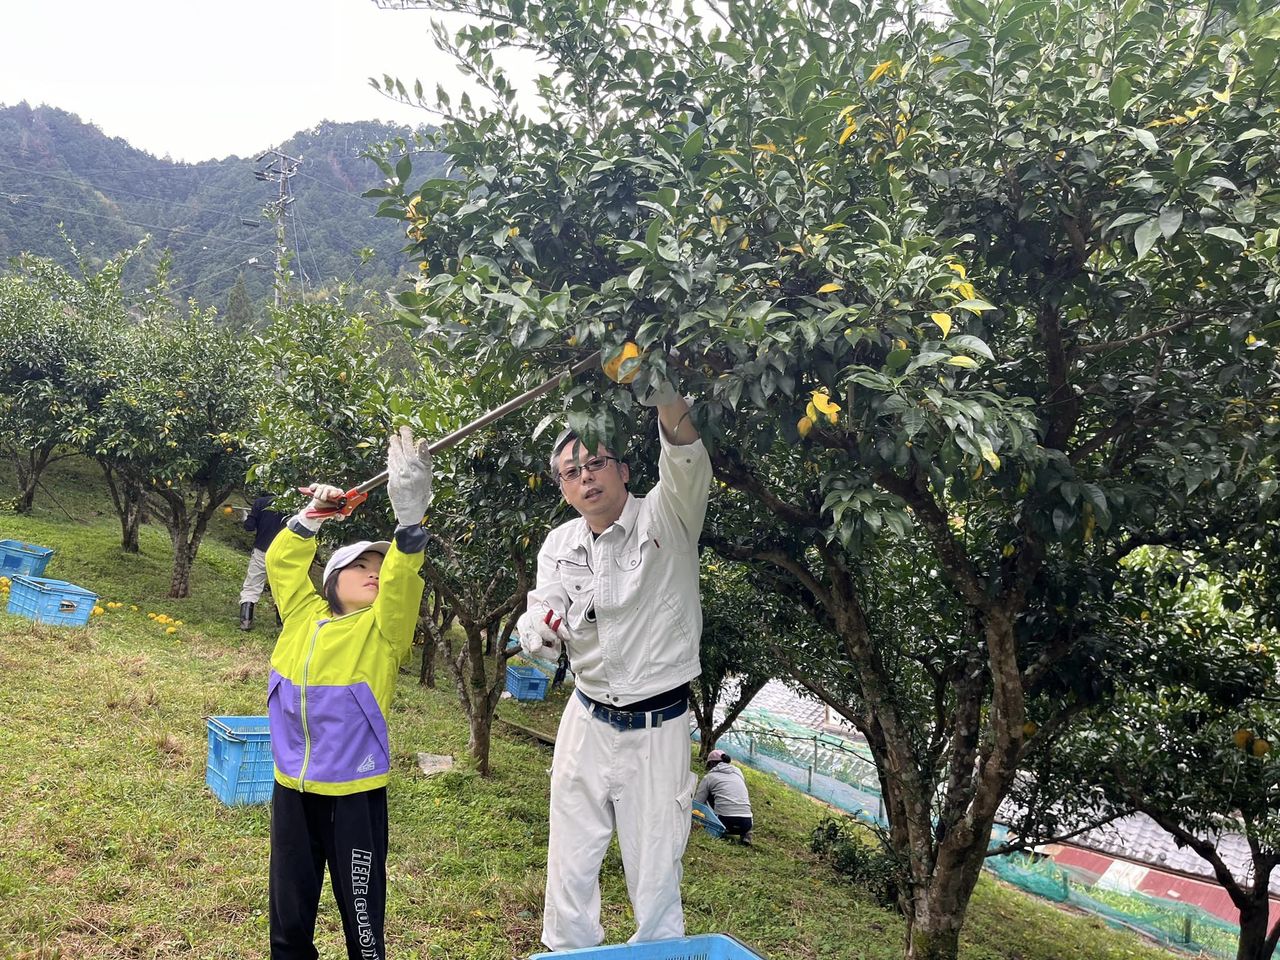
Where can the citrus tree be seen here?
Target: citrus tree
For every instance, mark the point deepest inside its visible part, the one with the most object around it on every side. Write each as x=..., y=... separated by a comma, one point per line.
x=54, y=327
x=998, y=286
x=493, y=506
x=1190, y=740
x=334, y=384
x=742, y=627
x=179, y=394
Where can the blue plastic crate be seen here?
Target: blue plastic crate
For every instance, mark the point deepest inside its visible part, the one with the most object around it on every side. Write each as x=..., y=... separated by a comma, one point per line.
x=705, y=817
x=711, y=946
x=25, y=558
x=240, y=769
x=54, y=602
x=526, y=683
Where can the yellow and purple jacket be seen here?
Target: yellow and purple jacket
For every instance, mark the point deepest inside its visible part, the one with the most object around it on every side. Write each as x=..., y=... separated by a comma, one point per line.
x=333, y=677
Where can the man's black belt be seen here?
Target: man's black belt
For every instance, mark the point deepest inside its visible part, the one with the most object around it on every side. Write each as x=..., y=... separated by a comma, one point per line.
x=633, y=719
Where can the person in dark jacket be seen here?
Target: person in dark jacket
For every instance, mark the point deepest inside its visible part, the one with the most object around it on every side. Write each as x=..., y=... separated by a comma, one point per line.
x=725, y=791
x=264, y=523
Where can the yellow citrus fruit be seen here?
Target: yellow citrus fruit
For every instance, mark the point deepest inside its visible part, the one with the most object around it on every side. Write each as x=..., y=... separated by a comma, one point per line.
x=228, y=511
x=613, y=368
x=1242, y=737
x=97, y=611
x=1030, y=728
x=172, y=630
x=804, y=426
x=1261, y=747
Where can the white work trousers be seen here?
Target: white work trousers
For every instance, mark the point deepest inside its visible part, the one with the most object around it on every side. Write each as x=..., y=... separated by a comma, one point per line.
x=639, y=782
x=255, y=579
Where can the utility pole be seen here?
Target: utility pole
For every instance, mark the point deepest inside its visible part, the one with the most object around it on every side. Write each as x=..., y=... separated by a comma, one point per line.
x=279, y=170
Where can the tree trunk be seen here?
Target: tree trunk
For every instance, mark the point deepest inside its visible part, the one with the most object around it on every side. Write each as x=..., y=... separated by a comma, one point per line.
x=937, y=907
x=130, y=523
x=481, y=739
x=426, y=632
x=1256, y=943
x=30, y=464
x=187, y=535
x=183, y=558
x=129, y=500
x=703, y=705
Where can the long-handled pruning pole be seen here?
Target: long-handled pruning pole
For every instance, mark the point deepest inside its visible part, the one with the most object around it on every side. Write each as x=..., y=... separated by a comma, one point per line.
x=359, y=494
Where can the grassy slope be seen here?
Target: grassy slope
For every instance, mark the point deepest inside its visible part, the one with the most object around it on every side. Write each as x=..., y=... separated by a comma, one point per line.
x=113, y=848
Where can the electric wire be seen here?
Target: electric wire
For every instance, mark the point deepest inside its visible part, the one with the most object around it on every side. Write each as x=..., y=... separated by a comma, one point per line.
x=216, y=273
x=22, y=198
x=98, y=189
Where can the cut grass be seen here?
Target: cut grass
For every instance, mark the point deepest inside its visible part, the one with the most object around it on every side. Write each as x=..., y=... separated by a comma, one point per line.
x=114, y=848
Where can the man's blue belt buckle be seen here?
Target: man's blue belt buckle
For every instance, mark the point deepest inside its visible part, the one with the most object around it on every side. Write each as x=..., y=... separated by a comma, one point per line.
x=623, y=720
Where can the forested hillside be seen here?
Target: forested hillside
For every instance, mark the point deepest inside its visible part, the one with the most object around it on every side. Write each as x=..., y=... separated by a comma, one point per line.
x=56, y=169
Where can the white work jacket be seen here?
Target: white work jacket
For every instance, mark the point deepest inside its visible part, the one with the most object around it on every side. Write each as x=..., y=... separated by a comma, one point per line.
x=630, y=596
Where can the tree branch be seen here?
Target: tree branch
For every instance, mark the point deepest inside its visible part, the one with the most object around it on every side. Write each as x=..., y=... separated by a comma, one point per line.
x=1110, y=345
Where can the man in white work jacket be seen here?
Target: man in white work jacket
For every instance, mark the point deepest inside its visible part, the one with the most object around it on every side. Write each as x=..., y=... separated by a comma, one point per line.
x=618, y=588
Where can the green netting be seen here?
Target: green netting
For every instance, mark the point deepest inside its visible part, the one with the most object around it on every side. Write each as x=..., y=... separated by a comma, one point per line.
x=1176, y=924
x=841, y=772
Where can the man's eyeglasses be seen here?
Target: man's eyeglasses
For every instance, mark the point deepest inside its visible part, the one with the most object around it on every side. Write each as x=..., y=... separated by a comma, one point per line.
x=595, y=465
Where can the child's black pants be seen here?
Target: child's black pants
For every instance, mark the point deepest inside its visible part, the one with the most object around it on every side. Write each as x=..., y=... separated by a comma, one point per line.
x=349, y=834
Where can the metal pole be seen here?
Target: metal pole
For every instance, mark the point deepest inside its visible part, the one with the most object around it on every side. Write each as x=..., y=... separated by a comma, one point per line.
x=495, y=414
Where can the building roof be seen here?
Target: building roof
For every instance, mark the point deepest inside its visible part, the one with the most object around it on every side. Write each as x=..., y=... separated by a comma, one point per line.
x=1138, y=837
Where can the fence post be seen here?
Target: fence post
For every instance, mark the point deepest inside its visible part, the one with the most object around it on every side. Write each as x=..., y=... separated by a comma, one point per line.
x=751, y=745
x=815, y=753
x=810, y=778
x=1186, y=928
x=1066, y=886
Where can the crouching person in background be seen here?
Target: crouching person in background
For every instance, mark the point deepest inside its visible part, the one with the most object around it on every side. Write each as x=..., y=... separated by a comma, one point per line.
x=333, y=674
x=724, y=789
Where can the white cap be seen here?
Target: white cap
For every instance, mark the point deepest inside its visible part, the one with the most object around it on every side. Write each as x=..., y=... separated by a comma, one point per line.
x=345, y=556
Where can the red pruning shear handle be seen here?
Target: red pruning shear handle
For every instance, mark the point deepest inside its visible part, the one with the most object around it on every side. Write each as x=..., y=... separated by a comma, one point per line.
x=350, y=500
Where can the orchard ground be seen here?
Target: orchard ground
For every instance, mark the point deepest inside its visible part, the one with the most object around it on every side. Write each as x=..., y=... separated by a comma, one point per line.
x=114, y=848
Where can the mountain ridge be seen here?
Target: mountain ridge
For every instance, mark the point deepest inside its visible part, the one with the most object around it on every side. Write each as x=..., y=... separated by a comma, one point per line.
x=107, y=195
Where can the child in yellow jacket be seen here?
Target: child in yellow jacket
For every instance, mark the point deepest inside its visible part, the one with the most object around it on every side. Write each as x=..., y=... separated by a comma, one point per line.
x=333, y=674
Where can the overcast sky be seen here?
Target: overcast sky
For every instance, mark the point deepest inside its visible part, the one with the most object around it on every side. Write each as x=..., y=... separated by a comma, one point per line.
x=203, y=80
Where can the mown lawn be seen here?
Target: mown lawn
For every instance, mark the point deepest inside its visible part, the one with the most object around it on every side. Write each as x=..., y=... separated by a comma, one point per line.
x=112, y=846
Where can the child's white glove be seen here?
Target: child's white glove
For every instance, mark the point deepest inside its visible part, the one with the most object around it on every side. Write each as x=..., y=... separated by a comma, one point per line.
x=323, y=497
x=541, y=631
x=408, y=477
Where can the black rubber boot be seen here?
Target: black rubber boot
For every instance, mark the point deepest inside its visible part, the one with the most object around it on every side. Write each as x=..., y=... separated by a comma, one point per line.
x=246, y=616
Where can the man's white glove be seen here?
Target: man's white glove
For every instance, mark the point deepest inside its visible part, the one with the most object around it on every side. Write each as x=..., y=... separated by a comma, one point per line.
x=656, y=395
x=541, y=631
x=323, y=497
x=408, y=477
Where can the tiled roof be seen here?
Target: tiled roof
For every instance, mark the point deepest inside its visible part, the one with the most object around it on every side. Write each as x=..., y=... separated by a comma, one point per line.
x=779, y=699
x=1138, y=837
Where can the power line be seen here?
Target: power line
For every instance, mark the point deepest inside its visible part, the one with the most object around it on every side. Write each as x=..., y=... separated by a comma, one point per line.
x=25, y=198
x=216, y=273
x=97, y=189
x=299, y=225
x=326, y=183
